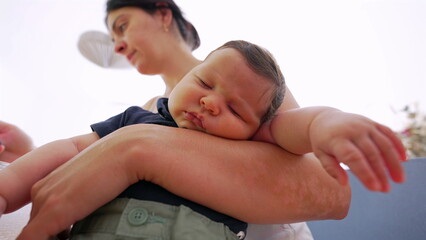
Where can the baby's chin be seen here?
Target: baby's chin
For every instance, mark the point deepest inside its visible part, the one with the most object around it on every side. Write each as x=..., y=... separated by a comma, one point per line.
x=193, y=128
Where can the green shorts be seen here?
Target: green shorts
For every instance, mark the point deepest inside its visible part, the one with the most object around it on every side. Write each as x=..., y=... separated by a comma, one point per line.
x=132, y=219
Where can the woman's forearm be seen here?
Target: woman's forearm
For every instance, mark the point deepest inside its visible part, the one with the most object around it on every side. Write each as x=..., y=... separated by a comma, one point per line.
x=255, y=182
x=252, y=181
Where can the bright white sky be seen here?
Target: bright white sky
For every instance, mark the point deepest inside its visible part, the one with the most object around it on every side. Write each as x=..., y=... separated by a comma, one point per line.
x=363, y=56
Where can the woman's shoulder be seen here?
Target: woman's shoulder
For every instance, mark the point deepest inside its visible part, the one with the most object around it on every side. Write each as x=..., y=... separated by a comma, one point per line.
x=151, y=105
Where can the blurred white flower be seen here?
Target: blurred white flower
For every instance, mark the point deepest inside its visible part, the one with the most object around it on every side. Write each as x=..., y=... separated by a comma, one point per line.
x=414, y=134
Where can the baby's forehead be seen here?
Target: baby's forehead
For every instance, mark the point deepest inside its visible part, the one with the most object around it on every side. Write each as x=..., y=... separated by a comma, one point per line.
x=232, y=66
x=225, y=58
x=223, y=52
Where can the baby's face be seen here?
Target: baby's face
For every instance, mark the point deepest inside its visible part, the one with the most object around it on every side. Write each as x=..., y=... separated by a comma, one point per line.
x=222, y=96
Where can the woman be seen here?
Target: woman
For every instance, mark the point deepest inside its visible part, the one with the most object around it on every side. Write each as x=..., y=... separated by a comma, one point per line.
x=252, y=181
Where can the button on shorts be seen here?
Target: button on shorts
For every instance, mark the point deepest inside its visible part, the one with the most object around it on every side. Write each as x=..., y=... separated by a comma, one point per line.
x=130, y=219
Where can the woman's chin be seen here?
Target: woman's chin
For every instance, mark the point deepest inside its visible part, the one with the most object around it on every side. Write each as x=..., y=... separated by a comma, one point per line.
x=143, y=70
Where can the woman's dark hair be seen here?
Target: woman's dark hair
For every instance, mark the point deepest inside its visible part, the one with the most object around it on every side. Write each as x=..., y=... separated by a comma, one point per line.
x=261, y=61
x=186, y=29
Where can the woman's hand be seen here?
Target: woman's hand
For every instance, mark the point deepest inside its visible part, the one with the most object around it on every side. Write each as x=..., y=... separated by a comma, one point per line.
x=75, y=189
x=228, y=176
x=13, y=142
x=369, y=149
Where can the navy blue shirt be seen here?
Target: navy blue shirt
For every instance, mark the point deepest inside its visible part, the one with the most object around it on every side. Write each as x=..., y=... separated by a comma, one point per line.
x=144, y=190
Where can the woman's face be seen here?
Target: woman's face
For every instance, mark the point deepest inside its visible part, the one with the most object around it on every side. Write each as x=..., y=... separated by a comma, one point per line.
x=138, y=36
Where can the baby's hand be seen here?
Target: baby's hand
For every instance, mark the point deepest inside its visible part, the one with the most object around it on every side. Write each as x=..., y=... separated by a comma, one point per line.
x=368, y=148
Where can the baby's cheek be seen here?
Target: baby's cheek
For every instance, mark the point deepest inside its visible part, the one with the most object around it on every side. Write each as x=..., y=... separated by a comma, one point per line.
x=238, y=131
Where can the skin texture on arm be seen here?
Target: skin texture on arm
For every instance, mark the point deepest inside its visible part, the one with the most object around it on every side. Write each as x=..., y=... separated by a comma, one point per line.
x=288, y=188
x=18, y=178
x=226, y=175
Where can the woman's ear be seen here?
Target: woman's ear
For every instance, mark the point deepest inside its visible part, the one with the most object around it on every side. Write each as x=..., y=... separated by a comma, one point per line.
x=166, y=15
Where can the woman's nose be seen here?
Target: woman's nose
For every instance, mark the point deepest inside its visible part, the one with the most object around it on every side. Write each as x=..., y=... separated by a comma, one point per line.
x=210, y=104
x=120, y=46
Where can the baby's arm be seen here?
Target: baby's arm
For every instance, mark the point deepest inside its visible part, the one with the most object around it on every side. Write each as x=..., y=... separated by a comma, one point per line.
x=17, y=179
x=368, y=148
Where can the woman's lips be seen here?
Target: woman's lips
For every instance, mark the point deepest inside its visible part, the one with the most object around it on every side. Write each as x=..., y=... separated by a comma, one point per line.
x=194, y=118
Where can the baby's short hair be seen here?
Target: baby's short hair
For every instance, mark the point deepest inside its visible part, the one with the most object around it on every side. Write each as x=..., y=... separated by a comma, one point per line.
x=261, y=61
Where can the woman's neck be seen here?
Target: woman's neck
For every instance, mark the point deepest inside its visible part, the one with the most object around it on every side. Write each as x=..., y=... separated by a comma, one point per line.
x=177, y=68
